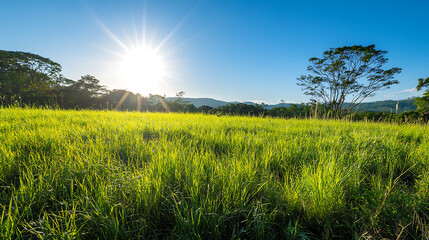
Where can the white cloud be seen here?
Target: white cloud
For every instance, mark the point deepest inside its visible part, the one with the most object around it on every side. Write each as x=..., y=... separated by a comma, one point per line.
x=411, y=90
x=403, y=94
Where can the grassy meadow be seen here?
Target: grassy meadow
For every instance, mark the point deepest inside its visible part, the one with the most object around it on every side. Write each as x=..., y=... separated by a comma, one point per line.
x=129, y=175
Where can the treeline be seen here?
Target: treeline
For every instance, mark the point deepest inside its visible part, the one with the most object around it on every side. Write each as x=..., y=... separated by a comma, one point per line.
x=28, y=79
x=302, y=111
x=387, y=106
x=317, y=111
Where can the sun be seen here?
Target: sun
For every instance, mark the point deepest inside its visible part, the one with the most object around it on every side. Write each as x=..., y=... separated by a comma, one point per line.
x=143, y=68
x=144, y=65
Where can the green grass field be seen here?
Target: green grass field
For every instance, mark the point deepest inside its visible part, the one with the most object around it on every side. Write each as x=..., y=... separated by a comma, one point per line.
x=120, y=175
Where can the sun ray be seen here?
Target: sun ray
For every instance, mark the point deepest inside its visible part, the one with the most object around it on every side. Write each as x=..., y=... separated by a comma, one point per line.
x=172, y=32
x=113, y=52
x=143, y=38
x=113, y=36
x=142, y=65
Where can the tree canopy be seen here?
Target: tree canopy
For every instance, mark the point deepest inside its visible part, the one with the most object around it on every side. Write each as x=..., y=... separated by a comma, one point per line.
x=350, y=73
x=30, y=79
x=27, y=77
x=423, y=102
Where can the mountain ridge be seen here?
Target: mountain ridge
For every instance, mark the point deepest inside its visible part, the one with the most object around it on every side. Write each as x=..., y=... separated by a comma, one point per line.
x=374, y=106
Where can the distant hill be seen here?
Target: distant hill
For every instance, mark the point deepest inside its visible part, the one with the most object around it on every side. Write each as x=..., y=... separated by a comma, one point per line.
x=387, y=106
x=278, y=105
x=377, y=106
x=198, y=102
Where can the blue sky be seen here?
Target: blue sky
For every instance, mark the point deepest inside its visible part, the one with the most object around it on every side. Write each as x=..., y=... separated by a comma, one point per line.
x=232, y=50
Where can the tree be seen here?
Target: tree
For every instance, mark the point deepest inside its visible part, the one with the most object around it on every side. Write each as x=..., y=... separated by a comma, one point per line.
x=90, y=86
x=423, y=102
x=350, y=73
x=205, y=109
x=178, y=105
x=83, y=93
x=28, y=76
x=88, y=91
x=180, y=94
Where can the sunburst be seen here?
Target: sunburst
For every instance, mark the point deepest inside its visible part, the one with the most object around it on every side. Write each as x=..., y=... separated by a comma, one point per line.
x=144, y=68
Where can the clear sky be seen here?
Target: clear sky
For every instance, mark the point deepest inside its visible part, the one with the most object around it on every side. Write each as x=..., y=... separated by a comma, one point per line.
x=233, y=50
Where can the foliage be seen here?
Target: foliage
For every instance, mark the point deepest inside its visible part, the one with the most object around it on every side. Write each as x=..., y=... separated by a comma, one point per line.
x=179, y=105
x=240, y=109
x=27, y=77
x=387, y=106
x=152, y=103
x=204, y=109
x=404, y=117
x=295, y=110
x=120, y=175
x=423, y=102
x=83, y=93
x=339, y=76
